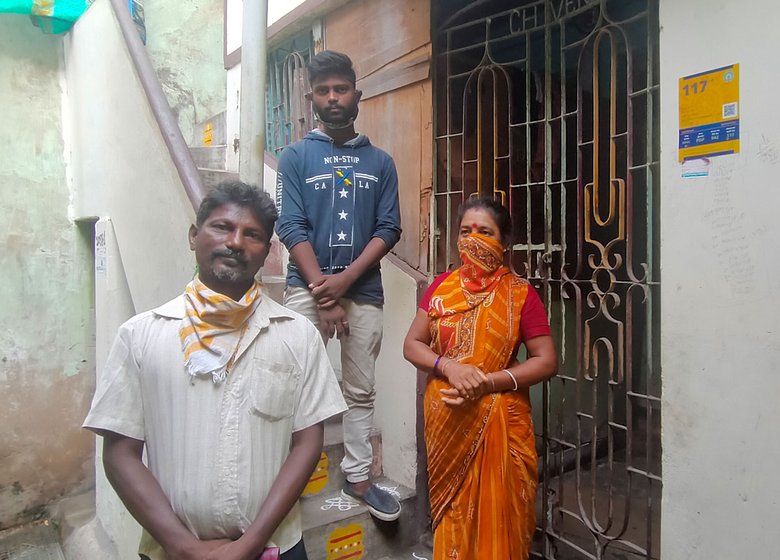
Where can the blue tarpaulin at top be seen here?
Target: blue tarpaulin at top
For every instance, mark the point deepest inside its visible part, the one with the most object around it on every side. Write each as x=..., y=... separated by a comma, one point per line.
x=52, y=16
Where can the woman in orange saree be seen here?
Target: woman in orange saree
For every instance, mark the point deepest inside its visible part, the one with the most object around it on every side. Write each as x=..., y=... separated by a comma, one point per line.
x=478, y=430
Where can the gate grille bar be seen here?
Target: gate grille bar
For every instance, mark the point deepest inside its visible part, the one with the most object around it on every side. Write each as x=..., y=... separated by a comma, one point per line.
x=290, y=116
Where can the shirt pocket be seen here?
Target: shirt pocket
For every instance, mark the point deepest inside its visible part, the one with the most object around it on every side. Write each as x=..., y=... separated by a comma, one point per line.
x=273, y=389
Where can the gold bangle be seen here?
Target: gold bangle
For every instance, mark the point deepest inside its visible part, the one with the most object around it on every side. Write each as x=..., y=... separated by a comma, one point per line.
x=512, y=377
x=492, y=384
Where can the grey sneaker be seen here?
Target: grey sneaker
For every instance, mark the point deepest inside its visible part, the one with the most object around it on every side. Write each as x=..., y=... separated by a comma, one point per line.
x=380, y=503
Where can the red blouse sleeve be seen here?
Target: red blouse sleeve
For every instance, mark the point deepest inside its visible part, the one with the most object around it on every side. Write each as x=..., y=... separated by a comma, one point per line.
x=533, y=317
x=426, y=299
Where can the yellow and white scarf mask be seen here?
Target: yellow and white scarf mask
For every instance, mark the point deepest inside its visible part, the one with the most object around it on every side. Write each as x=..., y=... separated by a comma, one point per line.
x=212, y=329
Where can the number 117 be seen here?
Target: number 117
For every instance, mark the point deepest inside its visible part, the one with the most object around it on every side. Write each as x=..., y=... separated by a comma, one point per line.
x=695, y=87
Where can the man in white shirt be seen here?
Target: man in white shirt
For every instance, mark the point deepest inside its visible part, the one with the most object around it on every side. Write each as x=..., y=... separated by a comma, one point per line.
x=227, y=391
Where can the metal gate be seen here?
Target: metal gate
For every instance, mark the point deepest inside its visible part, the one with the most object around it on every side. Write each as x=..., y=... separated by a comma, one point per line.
x=552, y=105
x=289, y=115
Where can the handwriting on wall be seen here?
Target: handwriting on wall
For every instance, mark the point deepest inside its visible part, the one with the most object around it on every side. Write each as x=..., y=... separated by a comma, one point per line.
x=730, y=238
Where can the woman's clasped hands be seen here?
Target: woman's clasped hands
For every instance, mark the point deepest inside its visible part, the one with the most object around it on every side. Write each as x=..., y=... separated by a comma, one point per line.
x=468, y=382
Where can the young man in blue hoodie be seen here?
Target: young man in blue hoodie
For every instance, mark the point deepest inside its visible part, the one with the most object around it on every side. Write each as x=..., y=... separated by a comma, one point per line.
x=339, y=215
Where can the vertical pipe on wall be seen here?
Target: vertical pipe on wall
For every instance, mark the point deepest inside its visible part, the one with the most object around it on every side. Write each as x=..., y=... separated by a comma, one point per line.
x=253, y=81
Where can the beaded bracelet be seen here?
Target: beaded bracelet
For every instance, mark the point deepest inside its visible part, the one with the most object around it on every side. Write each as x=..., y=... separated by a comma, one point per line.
x=512, y=377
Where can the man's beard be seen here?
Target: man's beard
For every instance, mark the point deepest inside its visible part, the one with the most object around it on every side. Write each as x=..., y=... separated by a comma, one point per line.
x=345, y=121
x=229, y=274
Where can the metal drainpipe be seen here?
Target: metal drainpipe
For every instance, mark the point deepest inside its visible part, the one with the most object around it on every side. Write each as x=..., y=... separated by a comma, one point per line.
x=254, y=32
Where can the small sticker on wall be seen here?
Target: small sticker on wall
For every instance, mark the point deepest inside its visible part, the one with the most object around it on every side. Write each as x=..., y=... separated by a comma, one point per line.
x=709, y=113
x=100, y=253
x=696, y=168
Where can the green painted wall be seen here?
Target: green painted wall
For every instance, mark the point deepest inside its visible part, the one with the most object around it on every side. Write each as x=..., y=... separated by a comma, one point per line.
x=46, y=316
x=185, y=43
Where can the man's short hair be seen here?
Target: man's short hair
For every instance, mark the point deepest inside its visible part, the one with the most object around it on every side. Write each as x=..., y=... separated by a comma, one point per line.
x=331, y=63
x=241, y=194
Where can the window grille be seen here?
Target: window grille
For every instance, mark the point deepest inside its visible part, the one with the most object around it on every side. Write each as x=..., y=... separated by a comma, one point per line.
x=289, y=115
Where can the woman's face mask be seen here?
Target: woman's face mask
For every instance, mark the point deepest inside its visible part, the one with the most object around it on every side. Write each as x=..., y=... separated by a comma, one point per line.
x=484, y=253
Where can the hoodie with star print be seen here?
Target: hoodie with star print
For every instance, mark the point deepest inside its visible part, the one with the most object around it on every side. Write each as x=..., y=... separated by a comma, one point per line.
x=337, y=197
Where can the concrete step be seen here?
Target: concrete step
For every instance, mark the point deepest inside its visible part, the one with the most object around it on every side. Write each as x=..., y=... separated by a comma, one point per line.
x=335, y=528
x=213, y=177
x=416, y=552
x=327, y=476
x=37, y=541
x=210, y=157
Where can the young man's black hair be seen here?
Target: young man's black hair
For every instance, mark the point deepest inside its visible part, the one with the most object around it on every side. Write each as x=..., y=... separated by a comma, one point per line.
x=330, y=63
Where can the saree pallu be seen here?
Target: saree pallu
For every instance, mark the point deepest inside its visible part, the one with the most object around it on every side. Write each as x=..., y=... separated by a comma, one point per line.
x=482, y=463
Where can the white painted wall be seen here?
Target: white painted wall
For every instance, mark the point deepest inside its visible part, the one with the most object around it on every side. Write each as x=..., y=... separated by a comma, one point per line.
x=121, y=167
x=720, y=304
x=113, y=306
x=396, y=379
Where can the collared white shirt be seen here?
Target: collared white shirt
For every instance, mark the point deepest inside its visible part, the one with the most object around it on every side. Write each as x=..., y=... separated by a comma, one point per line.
x=216, y=449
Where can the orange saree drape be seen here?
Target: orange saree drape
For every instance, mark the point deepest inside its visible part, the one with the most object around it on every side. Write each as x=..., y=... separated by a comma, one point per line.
x=481, y=456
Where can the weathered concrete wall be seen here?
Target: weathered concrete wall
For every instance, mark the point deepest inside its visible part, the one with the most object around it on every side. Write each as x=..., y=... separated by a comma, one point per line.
x=184, y=41
x=46, y=320
x=720, y=283
x=121, y=167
